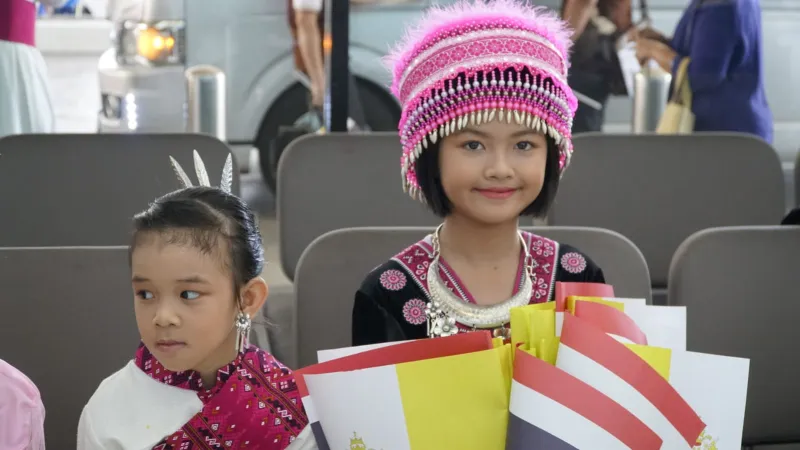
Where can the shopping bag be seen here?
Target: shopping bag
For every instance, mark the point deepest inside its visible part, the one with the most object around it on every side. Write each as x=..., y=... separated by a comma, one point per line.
x=552, y=410
x=678, y=117
x=458, y=401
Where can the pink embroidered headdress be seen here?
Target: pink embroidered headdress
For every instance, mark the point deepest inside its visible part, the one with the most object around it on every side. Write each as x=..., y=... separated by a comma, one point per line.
x=471, y=63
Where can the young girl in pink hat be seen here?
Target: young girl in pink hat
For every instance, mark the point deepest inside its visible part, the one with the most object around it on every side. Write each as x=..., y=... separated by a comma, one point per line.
x=485, y=133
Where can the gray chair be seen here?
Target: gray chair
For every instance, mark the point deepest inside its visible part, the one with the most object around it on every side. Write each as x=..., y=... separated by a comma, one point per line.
x=338, y=181
x=74, y=190
x=334, y=265
x=66, y=321
x=740, y=287
x=658, y=190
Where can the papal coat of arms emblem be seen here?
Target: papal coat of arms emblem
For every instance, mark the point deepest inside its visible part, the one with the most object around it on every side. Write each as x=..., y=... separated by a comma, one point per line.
x=706, y=442
x=356, y=443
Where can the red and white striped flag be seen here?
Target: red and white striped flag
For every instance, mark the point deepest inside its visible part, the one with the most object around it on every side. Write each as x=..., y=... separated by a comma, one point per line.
x=599, y=360
x=552, y=410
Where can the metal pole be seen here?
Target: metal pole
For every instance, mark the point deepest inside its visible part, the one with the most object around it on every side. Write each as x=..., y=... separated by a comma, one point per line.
x=337, y=44
x=206, y=101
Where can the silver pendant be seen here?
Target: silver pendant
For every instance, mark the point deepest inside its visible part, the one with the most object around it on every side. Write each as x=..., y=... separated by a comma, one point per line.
x=446, y=310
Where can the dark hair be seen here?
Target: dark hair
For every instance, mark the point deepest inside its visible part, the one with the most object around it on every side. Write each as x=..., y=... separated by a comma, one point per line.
x=430, y=182
x=200, y=216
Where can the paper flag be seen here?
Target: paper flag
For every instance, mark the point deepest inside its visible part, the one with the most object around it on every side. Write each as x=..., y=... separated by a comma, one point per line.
x=564, y=290
x=552, y=410
x=663, y=326
x=331, y=354
x=606, y=364
x=456, y=401
x=384, y=356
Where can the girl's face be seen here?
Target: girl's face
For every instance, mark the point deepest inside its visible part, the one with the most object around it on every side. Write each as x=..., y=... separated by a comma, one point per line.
x=492, y=172
x=185, y=306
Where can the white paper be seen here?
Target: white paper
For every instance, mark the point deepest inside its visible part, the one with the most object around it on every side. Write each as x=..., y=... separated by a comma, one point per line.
x=361, y=404
x=716, y=388
x=328, y=355
x=664, y=326
x=304, y=441
x=629, y=65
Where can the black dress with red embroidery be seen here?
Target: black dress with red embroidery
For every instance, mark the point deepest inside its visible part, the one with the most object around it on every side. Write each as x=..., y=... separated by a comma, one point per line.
x=390, y=304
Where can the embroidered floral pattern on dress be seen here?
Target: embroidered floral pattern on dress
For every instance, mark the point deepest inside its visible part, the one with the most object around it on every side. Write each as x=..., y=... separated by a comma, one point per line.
x=254, y=404
x=393, y=280
x=414, y=311
x=541, y=289
x=542, y=247
x=573, y=262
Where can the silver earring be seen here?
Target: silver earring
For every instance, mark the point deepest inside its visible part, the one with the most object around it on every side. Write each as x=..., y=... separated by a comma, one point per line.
x=243, y=324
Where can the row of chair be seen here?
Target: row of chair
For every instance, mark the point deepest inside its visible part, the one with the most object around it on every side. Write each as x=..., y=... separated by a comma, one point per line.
x=67, y=317
x=656, y=190
x=91, y=185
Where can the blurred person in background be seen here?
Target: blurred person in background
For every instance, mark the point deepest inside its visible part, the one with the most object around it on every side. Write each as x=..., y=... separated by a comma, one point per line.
x=722, y=39
x=25, y=100
x=21, y=411
x=595, y=71
x=306, y=18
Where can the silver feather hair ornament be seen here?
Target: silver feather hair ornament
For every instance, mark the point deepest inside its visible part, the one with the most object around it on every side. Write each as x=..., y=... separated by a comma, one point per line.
x=226, y=183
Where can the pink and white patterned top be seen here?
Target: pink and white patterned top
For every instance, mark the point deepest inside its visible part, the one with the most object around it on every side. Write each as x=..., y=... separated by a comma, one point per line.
x=254, y=404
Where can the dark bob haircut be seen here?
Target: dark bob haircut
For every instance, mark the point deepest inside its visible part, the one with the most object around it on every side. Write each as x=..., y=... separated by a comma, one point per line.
x=213, y=221
x=430, y=182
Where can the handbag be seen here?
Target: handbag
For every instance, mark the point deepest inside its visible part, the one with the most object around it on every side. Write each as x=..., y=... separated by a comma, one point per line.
x=678, y=117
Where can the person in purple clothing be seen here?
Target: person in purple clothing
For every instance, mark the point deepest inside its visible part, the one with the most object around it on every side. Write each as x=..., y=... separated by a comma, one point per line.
x=723, y=40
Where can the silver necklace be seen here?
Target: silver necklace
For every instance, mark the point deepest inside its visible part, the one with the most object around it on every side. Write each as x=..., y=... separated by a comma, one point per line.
x=446, y=309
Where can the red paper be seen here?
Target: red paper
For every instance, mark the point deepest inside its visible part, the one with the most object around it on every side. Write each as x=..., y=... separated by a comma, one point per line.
x=418, y=350
x=564, y=290
x=610, y=320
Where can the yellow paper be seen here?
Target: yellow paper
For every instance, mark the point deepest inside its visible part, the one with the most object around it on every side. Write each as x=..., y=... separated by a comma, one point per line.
x=542, y=324
x=506, y=361
x=438, y=393
x=497, y=342
x=527, y=349
x=658, y=358
x=548, y=349
x=575, y=298
x=519, y=326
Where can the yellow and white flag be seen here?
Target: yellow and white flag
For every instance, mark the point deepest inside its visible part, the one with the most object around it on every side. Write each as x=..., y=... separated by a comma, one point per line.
x=456, y=401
